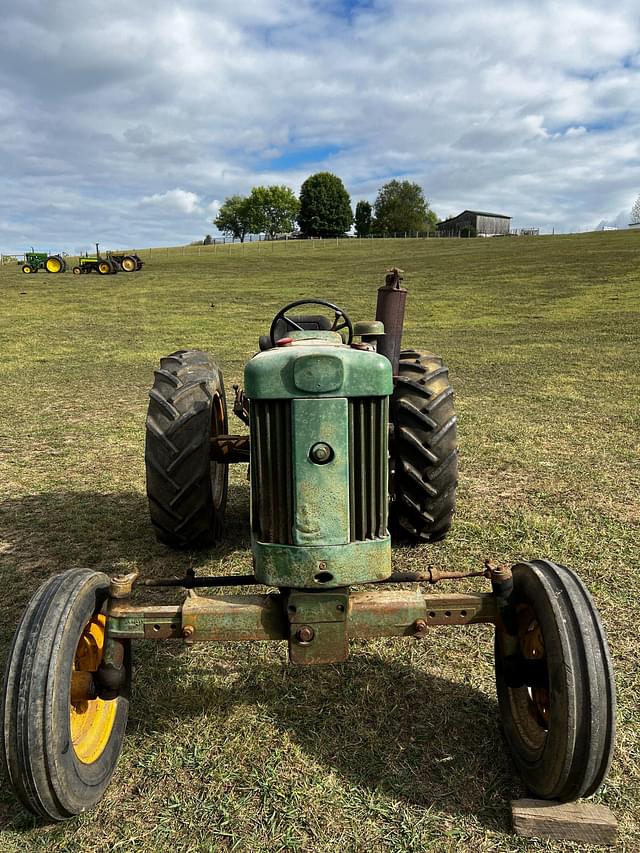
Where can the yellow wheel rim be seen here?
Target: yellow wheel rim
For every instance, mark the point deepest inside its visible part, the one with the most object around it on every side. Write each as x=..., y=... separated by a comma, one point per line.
x=104, y=268
x=26, y=270
x=91, y=720
x=53, y=265
x=129, y=264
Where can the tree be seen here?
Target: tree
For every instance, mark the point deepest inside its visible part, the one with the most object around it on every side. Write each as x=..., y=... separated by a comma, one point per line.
x=401, y=206
x=325, y=206
x=635, y=212
x=363, y=219
x=235, y=217
x=207, y=240
x=273, y=210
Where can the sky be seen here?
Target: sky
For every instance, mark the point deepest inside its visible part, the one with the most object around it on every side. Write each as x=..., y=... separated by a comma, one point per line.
x=130, y=122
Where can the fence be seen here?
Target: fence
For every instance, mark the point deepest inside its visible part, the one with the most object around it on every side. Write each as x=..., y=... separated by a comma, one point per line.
x=261, y=242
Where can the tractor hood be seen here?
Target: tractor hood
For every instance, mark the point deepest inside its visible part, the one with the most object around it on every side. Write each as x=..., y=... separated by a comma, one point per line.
x=317, y=366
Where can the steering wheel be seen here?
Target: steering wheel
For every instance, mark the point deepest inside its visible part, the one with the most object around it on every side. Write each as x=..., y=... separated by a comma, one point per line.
x=291, y=324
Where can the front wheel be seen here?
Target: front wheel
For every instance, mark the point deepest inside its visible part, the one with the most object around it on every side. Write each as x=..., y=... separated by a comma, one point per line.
x=61, y=741
x=555, y=685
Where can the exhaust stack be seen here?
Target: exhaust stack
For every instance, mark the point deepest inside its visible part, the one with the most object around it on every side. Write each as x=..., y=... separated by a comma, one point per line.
x=390, y=311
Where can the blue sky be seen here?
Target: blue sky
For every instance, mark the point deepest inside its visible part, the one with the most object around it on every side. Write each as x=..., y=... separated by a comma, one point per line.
x=131, y=122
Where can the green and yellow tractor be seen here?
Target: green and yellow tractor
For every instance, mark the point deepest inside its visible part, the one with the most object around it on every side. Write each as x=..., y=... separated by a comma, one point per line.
x=101, y=264
x=127, y=263
x=351, y=445
x=34, y=261
x=108, y=264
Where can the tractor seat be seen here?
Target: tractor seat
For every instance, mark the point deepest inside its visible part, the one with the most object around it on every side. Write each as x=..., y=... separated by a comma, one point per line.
x=309, y=322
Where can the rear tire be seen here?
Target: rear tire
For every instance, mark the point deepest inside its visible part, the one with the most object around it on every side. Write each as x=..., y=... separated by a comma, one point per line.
x=555, y=684
x=54, y=264
x=187, y=491
x=59, y=754
x=129, y=264
x=106, y=267
x=423, y=449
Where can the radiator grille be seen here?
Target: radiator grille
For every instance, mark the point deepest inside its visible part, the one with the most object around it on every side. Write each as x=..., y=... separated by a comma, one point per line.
x=271, y=472
x=272, y=485
x=368, y=468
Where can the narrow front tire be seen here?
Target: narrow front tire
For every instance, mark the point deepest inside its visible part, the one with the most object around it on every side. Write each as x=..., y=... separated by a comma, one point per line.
x=555, y=683
x=60, y=741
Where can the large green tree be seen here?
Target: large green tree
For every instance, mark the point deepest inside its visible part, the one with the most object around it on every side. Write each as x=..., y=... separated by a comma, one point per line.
x=401, y=207
x=273, y=210
x=325, y=206
x=235, y=217
x=363, y=219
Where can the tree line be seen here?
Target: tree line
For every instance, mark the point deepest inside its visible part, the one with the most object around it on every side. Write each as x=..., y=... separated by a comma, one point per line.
x=324, y=210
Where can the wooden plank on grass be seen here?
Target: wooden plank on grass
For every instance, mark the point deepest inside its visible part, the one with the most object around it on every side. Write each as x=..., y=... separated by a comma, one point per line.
x=586, y=822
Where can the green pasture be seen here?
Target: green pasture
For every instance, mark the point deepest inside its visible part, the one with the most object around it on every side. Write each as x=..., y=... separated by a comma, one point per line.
x=399, y=749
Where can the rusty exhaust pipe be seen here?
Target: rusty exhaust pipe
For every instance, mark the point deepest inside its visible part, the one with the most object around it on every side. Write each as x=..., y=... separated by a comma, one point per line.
x=390, y=311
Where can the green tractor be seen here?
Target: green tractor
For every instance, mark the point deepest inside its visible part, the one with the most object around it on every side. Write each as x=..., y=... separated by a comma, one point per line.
x=349, y=437
x=127, y=263
x=34, y=261
x=103, y=265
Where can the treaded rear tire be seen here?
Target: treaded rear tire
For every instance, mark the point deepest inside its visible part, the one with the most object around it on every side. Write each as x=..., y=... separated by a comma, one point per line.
x=57, y=259
x=423, y=449
x=565, y=754
x=187, y=491
x=36, y=746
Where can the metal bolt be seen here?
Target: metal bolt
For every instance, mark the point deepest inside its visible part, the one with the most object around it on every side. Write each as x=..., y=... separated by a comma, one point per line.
x=305, y=634
x=320, y=453
x=121, y=585
x=188, y=631
x=419, y=628
x=322, y=564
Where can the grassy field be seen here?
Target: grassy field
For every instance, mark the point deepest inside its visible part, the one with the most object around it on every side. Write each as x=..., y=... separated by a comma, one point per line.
x=399, y=748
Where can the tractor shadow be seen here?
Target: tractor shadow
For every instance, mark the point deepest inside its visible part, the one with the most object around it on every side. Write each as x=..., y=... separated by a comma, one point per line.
x=47, y=533
x=380, y=724
x=62, y=529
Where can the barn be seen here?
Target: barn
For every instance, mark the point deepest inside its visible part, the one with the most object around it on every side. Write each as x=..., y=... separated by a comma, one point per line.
x=483, y=224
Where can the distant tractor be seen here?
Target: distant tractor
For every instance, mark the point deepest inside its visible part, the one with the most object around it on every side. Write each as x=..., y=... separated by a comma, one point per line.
x=127, y=263
x=34, y=261
x=98, y=263
x=109, y=264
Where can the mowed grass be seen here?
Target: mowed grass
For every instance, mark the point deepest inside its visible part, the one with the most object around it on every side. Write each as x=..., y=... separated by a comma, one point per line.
x=399, y=748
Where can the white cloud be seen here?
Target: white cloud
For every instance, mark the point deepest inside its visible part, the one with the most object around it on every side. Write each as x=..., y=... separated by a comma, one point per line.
x=181, y=200
x=532, y=109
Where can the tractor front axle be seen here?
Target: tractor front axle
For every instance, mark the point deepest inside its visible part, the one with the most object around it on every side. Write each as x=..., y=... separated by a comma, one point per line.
x=316, y=624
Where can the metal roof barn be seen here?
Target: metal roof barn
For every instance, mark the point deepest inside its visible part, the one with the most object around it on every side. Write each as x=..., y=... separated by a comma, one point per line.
x=484, y=224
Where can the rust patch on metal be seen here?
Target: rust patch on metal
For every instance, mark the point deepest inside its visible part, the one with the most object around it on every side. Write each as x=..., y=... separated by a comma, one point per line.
x=229, y=448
